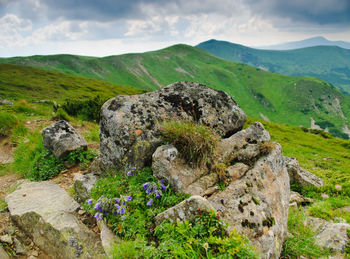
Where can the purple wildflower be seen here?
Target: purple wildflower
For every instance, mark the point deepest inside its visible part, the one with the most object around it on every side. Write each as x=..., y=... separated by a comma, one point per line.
x=134, y=168
x=117, y=206
x=145, y=185
x=117, y=200
x=97, y=215
x=97, y=206
x=128, y=198
x=149, y=203
x=100, y=217
x=114, y=213
x=90, y=201
x=162, y=185
x=122, y=210
x=157, y=194
x=129, y=173
x=149, y=190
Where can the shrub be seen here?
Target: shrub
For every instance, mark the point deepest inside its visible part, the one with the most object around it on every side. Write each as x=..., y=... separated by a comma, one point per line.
x=7, y=123
x=61, y=114
x=196, y=143
x=85, y=109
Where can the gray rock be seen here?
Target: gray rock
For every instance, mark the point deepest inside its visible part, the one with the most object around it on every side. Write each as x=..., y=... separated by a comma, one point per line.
x=108, y=238
x=236, y=171
x=61, y=138
x=3, y=254
x=300, y=175
x=83, y=186
x=298, y=199
x=257, y=203
x=330, y=235
x=186, y=210
x=19, y=248
x=7, y=102
x=96, y=167
x=6, y=239
x=129, y=129
x=46, y=213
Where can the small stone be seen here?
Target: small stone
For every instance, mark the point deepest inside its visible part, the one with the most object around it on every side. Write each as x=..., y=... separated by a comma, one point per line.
x=81, y=212
x=6, y=239
x=19, y=248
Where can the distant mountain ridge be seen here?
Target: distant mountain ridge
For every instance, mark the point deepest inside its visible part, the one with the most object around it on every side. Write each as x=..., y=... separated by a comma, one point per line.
x=278, y=98
x=311, y=42
x=329, y=63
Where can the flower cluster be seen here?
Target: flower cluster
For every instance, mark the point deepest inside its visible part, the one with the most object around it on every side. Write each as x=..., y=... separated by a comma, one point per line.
x=154, y=190
x=105, y=206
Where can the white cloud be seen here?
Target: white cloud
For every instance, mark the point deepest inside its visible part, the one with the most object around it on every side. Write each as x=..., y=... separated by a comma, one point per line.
x=12, y=29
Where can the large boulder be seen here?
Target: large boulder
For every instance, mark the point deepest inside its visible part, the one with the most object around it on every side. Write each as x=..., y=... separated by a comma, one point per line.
x=129, y=126
x=46, y=213
x=61, y=139
x=301, y=176
x=256, y=199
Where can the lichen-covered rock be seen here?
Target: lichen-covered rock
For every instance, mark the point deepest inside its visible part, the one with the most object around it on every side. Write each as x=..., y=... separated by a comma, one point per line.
x=300, y=175
x=61, y=138
x=108, y=238
x=330, y=235
x=257, y=203
x=3, y=254
x=46, y=213
x=129, y=126
x=83, y=185
x=186, y=210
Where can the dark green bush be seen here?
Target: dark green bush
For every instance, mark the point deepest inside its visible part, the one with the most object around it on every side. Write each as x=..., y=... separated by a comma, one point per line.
x=85, y=109
x=196, y=143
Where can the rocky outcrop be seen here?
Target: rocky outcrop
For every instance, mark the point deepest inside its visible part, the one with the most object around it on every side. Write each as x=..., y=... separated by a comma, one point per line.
x=330, y=235
x=301, y=176
x=129, y=126
x=61, y=138
x=256, y=199
x=46, y=213
x=186, y=210
x=83, y=185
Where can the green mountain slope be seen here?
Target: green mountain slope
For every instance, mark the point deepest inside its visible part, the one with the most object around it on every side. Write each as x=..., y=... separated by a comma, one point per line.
x=329, y=63
x=21, y=82
x=284, y=99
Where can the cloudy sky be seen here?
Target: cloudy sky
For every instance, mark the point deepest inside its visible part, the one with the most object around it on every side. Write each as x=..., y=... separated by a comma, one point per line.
x=109, y=27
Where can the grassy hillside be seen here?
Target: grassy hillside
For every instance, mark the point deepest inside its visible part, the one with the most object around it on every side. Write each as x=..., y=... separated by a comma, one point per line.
x=329, y=63
x=284, y=99
x=21, y=82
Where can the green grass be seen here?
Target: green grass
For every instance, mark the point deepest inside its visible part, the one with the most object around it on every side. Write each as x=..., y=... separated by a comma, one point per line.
x=21, y=82
x=7, y=123
x=283, y=99
x=301, y=242
x=326, y=62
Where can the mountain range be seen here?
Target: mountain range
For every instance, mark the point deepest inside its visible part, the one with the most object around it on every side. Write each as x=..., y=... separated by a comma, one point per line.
x=329, y=63
x=311, y=42
x=271, y=96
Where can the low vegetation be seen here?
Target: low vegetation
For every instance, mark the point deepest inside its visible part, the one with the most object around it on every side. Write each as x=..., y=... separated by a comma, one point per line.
x=129, y=202
x=195, y=142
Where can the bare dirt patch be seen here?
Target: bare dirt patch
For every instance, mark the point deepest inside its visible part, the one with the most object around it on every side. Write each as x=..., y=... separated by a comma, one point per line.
x=6, y=151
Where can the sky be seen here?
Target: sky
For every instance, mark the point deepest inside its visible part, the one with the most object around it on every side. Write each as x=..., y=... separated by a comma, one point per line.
x=112, y=27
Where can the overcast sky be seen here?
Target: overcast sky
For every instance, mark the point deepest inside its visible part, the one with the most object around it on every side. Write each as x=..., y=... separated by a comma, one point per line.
x=110, y=27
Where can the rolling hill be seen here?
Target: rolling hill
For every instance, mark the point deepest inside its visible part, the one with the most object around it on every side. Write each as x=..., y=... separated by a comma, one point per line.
x=329, y=63
x=274, y=97
x=22, y=82
x=311, y=42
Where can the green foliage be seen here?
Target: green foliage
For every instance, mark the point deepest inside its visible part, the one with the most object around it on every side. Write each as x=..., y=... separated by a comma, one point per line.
x=85, y=109
x=301, y=242
x=46, y=165
x=139, y=217
x=7, y=123
x=3, y=205
x=195, y=142
x=204, y=237
x=331, y=208
x=61, y=114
